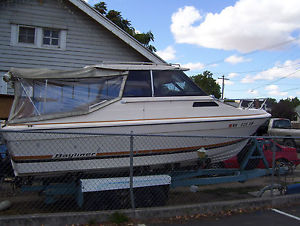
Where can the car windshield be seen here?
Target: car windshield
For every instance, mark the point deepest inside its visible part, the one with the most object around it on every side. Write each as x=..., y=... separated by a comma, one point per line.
x=283, y=124
x=56, y=96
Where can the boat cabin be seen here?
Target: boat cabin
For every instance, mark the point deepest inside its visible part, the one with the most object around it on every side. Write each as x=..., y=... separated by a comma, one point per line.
x=47, y=94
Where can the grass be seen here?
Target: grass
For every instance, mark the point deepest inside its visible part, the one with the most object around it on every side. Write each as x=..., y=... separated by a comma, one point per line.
x=118, y=218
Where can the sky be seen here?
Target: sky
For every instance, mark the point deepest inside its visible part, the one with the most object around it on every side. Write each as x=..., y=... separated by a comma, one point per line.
x=255, y=44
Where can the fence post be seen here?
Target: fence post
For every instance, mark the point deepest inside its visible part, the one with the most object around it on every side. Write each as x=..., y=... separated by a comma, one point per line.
x=131, y=172
x=273, y=168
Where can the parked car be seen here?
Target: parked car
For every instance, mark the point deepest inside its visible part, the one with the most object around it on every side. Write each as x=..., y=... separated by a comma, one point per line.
x=282, y=127
x=284, y=156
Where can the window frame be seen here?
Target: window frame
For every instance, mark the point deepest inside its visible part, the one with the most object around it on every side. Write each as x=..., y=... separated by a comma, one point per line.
x=19, y=93
x=50, y=37
x=27, y=43
x=183, y=76
x=38, y=38
x=128, y=85
x=3, y=84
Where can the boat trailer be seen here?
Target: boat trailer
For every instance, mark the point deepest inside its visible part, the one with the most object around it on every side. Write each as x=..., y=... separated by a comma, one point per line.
x=156, y=185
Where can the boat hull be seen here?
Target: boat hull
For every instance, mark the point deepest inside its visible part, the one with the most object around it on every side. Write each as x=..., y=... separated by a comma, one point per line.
x=96, y=149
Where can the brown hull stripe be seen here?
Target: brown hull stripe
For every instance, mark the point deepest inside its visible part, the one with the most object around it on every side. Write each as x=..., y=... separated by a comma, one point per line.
x=36, y=158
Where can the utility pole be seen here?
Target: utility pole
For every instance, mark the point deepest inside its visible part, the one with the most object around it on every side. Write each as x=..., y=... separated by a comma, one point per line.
x=223, y=85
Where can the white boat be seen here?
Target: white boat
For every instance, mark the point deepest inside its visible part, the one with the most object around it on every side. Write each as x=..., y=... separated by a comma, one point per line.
x=62, y=115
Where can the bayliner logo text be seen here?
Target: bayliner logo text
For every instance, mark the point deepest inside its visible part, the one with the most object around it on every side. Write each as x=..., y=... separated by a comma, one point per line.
x=74, y=155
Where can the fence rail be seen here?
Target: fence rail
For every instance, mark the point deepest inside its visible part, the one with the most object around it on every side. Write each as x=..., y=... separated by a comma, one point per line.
x=60, y=171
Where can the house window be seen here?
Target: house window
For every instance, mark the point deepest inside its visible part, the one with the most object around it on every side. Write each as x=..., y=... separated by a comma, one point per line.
x=51, y=37
x=38, y=37
x=3, y=84
x=26, y=35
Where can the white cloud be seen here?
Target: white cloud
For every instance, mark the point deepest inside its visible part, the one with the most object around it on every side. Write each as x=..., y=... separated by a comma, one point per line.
x=274, y=91
x=194, y=66
x=246, y=26
x=247, y=79
x=289, y=69
x=167, y=53
x=212, y=65
x=252, y=91
x=232, y=75
x=236, y=59
x=137, y=31
x=227, y=82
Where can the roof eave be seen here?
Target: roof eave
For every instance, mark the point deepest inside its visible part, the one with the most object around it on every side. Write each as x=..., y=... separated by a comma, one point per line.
x=117, y=31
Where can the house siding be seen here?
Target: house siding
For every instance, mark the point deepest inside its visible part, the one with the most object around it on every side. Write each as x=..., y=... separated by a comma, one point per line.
x=87, y=42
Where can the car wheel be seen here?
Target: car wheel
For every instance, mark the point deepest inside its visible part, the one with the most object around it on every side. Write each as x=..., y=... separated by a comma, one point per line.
x=289, y=143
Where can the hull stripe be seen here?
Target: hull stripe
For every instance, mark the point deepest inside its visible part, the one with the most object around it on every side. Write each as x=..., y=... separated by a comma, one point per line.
x=107, y=155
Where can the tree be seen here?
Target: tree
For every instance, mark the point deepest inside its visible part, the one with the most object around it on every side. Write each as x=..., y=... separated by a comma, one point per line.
x=116, y=17
x=283, y=109
x=206, y=82
x=270, y=103
x=295, y=102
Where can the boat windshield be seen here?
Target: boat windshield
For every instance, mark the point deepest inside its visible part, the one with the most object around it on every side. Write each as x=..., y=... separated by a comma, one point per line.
x=174, y=83
x=165, y=83
x=39, y=98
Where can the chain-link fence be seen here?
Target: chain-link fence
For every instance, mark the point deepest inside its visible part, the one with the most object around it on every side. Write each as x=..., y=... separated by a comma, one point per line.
x=72, y=171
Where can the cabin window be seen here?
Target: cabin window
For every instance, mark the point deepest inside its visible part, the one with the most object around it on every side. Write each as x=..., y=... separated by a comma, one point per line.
x=59, y=96
x=174, y=83
x=138, y=84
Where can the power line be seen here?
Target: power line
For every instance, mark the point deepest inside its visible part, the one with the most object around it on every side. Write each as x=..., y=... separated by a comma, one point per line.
x=254, y=51
x=243, y=72
x=281, y=78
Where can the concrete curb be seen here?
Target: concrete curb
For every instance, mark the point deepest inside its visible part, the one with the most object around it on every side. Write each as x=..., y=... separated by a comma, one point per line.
x=148, y=213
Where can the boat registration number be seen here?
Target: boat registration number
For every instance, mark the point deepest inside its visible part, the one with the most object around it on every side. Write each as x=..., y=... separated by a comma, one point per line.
x=243, y=124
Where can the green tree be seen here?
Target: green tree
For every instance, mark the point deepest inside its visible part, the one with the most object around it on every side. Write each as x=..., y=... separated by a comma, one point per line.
x=295, y=102
x=101, y=7
x=207, y=83
x=116, y=17
x=283, y=109
x=270, y=102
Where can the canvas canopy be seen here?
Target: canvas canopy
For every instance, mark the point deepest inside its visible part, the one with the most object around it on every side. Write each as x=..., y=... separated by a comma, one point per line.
x=99, y=70
x=88, y=72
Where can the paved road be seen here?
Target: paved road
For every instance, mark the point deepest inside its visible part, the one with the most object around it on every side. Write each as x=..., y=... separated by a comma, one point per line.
x=273, y=217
